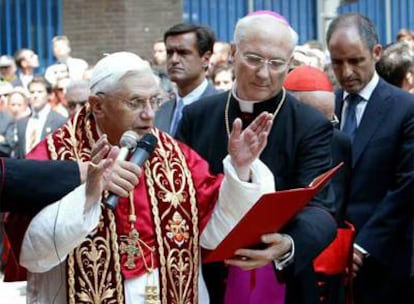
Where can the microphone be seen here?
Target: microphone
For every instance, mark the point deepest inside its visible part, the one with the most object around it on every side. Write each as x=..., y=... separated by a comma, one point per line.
x=143, y=151
x=128, y=142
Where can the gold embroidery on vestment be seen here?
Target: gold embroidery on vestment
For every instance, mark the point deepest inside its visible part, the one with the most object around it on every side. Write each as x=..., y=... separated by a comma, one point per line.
x=99, y=279
x=169, y=174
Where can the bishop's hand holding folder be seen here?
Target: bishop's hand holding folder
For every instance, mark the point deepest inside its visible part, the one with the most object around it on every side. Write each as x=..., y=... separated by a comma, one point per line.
x=271, y=212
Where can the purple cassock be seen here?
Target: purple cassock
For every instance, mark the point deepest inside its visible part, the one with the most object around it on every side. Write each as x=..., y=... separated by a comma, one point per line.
x=254, y=286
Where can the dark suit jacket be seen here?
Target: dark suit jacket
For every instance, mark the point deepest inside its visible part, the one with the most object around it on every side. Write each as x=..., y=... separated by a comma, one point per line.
x=341, y=152
x=298, y=150
x=53, y=121
x=164, y=115
x=26, y=186
x=381, y=195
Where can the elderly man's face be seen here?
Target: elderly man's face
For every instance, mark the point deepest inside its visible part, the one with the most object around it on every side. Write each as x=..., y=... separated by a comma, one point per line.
x=131, y=107
x=261, y=63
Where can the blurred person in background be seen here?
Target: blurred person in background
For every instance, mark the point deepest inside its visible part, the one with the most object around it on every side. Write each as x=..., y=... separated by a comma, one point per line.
x=62, y=52
x=77, y=93
x=396, y=66
x=59, y=71
x=57, y=99
x=221, y=55
x=303, y=55
x=27, y=61
x=5, y=89
x=159, y=65
x=159, y=54
x=18, y=106
x=406, y=36
x=223, y=76
x=7, y=68
x=42, y=121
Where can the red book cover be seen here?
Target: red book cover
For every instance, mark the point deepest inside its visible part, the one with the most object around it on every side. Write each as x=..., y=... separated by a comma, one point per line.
x=268, y=215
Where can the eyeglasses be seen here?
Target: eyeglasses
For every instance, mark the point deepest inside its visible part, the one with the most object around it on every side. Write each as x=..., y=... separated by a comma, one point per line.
x=256, y=61
x=140, y=103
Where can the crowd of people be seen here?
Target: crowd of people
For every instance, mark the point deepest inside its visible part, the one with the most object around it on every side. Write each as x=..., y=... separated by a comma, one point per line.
x=232, y=122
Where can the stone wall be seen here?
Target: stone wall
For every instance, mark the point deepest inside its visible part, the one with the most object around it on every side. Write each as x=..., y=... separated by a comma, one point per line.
x=95, y=27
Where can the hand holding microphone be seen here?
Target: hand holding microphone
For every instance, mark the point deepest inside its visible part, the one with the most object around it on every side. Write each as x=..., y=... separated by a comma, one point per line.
x=142, y=149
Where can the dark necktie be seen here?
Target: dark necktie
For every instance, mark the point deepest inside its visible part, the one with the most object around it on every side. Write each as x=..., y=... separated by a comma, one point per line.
x=350, y=124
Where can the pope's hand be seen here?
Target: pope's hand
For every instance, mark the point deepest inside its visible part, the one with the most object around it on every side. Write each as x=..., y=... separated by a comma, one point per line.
x=247, y=145
x=99, y=170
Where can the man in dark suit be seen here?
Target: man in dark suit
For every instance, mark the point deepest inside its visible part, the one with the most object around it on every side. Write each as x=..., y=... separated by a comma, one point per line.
x=379, y=119
x=298, y=150
x=42, y=121
x=189, y=48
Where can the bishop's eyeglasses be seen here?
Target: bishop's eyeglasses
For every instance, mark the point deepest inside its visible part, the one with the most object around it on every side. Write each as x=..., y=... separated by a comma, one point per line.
x=256, y=61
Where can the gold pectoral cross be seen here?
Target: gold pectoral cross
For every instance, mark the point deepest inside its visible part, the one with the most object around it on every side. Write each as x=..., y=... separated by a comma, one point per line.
x=130, y=246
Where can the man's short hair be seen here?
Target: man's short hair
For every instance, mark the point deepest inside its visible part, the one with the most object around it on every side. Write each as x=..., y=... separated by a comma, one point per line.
x=42, y=80
x=364, y=26
x=205, y=36
x=61, y=38
x=19, y=56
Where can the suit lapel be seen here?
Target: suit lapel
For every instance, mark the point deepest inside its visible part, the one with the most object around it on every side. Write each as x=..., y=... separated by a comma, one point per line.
x=375, y=111
x=22, y=136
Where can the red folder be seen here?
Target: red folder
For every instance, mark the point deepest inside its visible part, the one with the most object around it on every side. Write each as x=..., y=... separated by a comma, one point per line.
x=268, y=215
